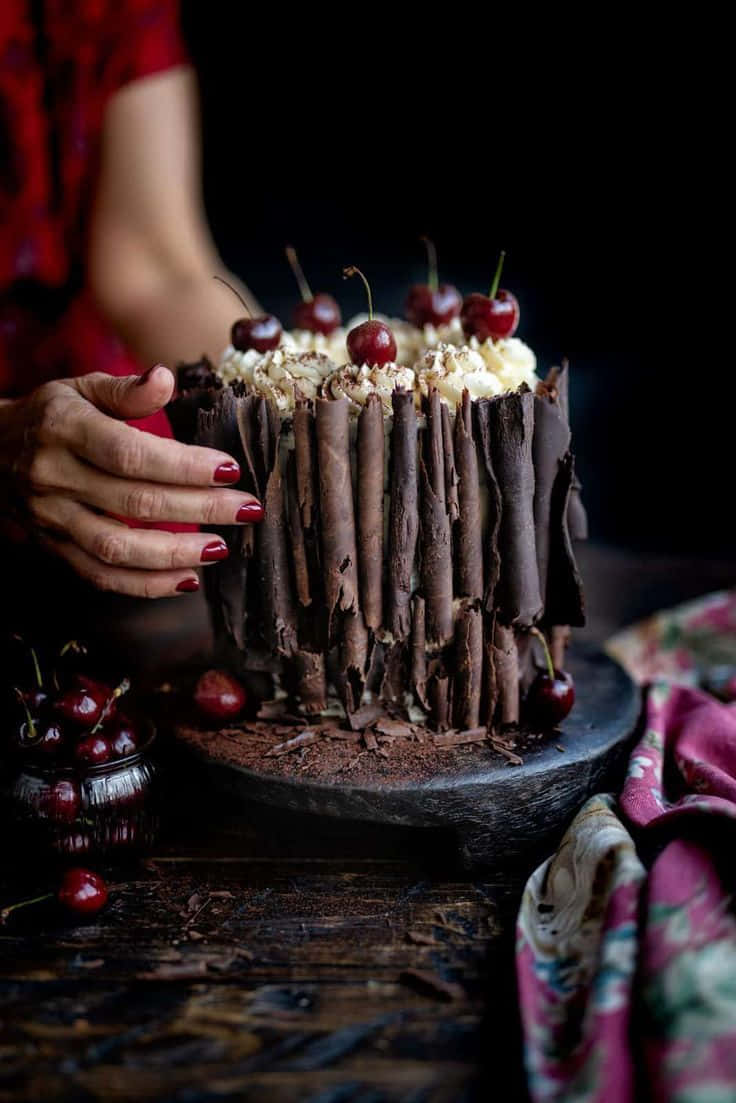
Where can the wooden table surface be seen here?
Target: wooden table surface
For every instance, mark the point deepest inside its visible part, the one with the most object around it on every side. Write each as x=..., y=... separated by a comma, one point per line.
x=255, y=958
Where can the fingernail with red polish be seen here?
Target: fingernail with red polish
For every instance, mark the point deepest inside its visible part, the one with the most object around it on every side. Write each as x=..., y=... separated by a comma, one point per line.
x=214, y=551
x=227, y=473
x=249, y=513
x=188, y=586
x=142, y=379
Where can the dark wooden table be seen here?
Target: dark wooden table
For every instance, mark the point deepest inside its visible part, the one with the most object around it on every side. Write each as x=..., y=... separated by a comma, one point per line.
x=255, y=958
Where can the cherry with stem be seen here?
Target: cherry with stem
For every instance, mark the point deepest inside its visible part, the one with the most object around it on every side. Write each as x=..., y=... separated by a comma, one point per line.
x=552, y=693
x=261, y=332
x=494, y=316
x=371, y=342
x=316, y=313
x=432, y=303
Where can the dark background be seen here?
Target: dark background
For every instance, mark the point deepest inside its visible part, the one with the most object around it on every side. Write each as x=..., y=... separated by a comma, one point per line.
x=598, y=174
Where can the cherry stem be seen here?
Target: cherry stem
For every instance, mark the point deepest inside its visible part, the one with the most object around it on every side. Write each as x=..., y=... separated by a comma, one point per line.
x=23, y=904
x=351, y=270
x=37, y=668
x=71, y=645
x=27, y=711
x=497, y=276
x=304, y=288
x=117, y=692
x=432, y=276
x=236, y=293
x=547, y=656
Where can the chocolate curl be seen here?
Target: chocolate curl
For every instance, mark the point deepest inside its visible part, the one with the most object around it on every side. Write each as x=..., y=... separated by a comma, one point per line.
x=506, y=665
x=393, y=682
x=438, y=696
x=311, y=681
x=558, y=379
x=468, y=533
x=296, y=536
x=489, y=695
x=435, y=530
x=403, y=513
x=306, y=463
x=370, y=510
x=225, y=583
x=565, y=602
x=517, y=598
x=550, y=443
x=339, y=551
x=482, y=408
x=468, y=666
x=451, y=476
x=279, y=614
x=419, y=651
x=559, y=640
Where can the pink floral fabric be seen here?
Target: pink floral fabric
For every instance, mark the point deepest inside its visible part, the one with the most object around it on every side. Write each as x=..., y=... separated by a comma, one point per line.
x=626, y=939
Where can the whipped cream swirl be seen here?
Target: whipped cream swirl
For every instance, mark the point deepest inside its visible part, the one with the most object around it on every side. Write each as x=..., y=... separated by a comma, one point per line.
x=357, y=383
x=484, y=370
x=283, y=374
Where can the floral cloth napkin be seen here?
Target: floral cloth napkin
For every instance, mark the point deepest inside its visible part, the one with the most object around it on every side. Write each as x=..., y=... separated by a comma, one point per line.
x=626, y=937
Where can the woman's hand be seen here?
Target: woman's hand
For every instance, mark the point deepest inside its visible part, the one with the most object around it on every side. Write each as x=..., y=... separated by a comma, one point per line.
x=66, y=455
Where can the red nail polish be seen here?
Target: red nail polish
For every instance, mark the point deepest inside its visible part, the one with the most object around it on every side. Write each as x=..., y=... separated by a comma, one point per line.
x=249, y=513
x=142, y=379
x=188, y=586
x=227, y=473
x=217, y=549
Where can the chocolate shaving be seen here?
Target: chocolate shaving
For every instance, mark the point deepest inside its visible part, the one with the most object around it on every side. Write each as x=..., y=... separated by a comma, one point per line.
x=403, y=525
x=517, y=598
x=482, y=408
x=306, y=463
x=365, y=716
x=398, y=729
x=468, y=666
x=565, y=602
x=370, y=741
x=468, y=532
x=506, y=665
x=370, y=510
x=550, y=443
x=393, y=683
x=489, y=696
x=419, y=651
x=436, y=541
x=451, y=475
x=460, y=738
x=302, y=740
x=500, y=747
x=345, y=622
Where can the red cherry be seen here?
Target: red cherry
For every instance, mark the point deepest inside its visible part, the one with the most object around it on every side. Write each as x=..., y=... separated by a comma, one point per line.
x=371, y=343
x=93, y=750
x=219, y=696
x=124, y=737
x=261, y=333
x=80, y=705
x=550, y=699
x=485, y=318
x=82, y=892
x=320, y=314
x=50, y=740
x=495, y=315
x=35, y=699
x=61, y=801
x=432, y=307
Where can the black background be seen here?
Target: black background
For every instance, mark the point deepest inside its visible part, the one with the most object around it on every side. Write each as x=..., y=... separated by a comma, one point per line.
x=596, y=167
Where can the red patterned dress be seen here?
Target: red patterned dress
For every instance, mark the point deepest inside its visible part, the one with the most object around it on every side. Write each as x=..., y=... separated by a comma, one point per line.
x=59, y=64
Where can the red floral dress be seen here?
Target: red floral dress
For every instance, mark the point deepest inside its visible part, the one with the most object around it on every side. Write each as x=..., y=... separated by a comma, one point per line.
x=59, y=64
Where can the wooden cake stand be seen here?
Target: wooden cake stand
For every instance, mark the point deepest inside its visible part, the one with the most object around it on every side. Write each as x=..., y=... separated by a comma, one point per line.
x=495, y=810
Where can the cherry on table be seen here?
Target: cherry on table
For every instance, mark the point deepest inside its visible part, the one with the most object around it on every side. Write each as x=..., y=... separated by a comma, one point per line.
x=82, y=892
x=316, y=313
x=432, y=303
x=552, y=693
x=493, y=316
x=219, y=696
x=371, y=342
x=94, y=750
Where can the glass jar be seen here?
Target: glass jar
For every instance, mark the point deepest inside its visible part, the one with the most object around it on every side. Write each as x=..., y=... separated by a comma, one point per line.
x=99, y=810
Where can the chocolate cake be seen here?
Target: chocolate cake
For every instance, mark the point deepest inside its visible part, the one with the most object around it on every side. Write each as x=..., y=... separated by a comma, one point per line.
x=419, y=523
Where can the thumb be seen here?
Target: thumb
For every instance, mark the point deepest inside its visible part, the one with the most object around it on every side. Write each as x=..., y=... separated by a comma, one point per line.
x=127, y=396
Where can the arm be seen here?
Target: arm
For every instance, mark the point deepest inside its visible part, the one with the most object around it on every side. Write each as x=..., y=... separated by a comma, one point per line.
x=151, y=257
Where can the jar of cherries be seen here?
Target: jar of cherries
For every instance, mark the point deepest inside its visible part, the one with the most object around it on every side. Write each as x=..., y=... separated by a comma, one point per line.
x=79, y=777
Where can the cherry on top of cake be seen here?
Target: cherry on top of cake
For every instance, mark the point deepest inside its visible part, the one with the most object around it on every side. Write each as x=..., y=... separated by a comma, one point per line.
x=318, y=313
x=432, y=303
x=260, y=332
x=494, y=316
